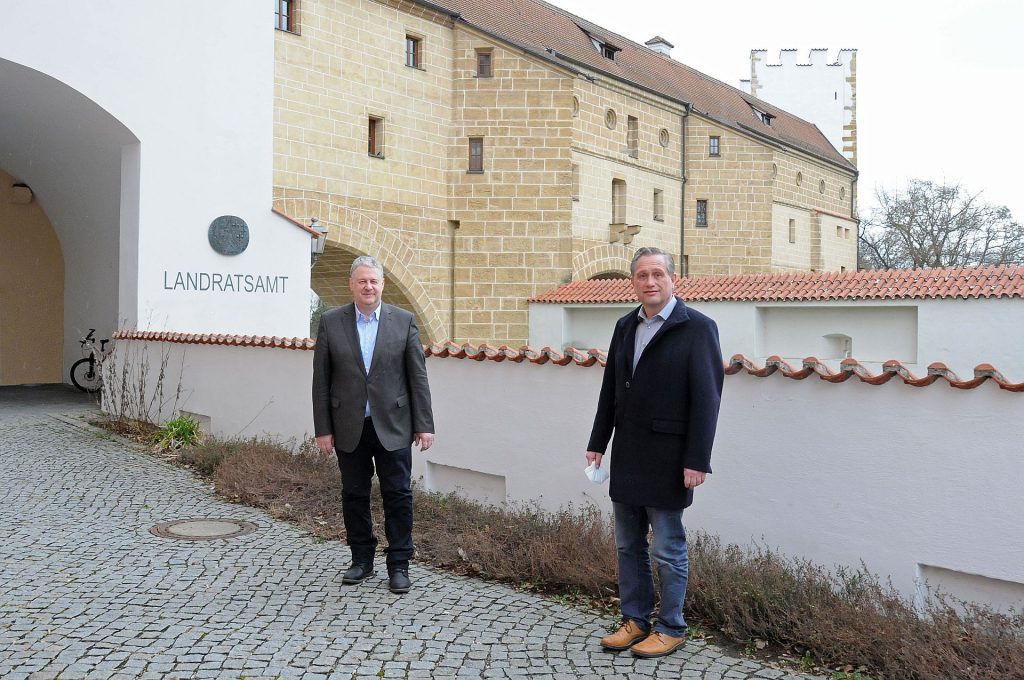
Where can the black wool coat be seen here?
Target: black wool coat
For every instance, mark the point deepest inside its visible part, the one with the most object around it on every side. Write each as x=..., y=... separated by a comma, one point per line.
x=663, y=415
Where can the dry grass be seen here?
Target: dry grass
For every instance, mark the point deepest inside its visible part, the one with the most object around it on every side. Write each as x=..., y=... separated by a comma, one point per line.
x=136, y=430
x=844, y=620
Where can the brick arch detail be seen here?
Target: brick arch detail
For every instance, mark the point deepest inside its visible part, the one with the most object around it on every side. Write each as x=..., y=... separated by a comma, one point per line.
x=610, y=257
x=358, y=232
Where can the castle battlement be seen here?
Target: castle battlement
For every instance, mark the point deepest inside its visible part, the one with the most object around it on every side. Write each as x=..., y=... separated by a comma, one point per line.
x=814, y=85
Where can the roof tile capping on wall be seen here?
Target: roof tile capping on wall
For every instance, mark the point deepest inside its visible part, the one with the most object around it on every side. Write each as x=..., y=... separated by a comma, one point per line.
x=216, y=339
x=848, y=368
x=738, y=363
x=960, y=282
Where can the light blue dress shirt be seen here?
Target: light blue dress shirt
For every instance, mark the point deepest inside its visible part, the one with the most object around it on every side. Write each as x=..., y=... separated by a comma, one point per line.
x=648, y=328
x=366, y=326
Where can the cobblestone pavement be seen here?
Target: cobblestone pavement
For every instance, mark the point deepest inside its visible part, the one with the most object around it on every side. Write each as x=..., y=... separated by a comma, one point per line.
x=87, y=592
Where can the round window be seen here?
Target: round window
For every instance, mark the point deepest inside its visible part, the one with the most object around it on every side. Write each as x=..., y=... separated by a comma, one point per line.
x=663, y=137
x=775, y=170
x=575, y=106
x=610, y=119
x=799, y=178
x=842, y=193
x=821, y=187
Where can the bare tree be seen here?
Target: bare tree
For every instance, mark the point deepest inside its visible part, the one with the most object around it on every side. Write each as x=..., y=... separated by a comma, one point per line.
x=938, y=225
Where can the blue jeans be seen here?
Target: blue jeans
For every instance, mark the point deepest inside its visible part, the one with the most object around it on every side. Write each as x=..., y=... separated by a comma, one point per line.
x=636, y=581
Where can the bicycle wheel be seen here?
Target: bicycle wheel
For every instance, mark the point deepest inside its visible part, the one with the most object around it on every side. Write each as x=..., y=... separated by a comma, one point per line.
x=85, y=376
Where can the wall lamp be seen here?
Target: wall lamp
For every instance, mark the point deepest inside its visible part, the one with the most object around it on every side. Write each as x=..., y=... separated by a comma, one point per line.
x=317, y=245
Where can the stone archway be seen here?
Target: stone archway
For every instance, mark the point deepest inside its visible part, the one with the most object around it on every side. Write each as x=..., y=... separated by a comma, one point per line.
x=351, y=233
x=606, y=261
x=329, y=280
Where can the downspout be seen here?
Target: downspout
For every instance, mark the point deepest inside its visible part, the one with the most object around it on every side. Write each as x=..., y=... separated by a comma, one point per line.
x=453, y=227
x=683, y=268
x=853, y=214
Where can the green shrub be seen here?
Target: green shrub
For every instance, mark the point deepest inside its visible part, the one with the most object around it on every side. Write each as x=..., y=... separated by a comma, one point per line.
x=178, y=433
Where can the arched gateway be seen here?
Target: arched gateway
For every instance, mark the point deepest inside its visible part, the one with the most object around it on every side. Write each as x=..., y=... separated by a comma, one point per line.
x=68, y=181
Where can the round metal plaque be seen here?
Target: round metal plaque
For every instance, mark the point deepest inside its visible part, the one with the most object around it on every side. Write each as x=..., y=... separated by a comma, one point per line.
x=229, y=235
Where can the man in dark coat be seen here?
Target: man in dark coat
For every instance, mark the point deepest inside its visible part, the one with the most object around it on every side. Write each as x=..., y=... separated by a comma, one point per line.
x=371, y=400
x=660, y=395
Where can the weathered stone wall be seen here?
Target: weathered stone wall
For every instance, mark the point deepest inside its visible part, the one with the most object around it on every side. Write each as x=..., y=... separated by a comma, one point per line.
x=513, y=238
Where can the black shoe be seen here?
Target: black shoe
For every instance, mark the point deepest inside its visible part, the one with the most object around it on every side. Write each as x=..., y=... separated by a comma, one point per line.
x=398, y=581
x=357, y=573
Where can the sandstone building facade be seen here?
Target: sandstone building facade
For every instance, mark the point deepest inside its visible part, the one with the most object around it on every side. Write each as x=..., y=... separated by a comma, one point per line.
x=489, y=151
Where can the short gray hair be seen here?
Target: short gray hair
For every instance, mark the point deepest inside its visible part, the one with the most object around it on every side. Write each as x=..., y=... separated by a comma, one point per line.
x=365, y=261
x=670, y=264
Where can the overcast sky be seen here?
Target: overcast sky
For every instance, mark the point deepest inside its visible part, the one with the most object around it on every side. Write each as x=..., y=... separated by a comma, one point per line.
x=939, y=83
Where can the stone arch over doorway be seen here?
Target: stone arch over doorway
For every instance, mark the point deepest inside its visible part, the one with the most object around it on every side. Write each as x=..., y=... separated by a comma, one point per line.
x=606, y=261
x=351, y=233
x=80, y=165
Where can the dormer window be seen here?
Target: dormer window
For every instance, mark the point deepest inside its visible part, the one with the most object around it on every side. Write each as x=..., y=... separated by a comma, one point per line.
x=763, y=116
x=606, y=50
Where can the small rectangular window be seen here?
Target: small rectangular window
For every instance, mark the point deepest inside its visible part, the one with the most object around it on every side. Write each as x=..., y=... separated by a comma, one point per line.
x=846, y=233
x=633, y=136
x=413, y=57
x=839, y=231
x=792, y=231
x=618, y=201
x=476, y=154
x=713, y=146
x=483, y=64
x=659, y=205
x=375, y=137
x=285, y=15
x=702, y=213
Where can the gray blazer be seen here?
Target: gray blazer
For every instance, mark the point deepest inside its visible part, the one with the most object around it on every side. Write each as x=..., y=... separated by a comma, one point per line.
x=396, y=386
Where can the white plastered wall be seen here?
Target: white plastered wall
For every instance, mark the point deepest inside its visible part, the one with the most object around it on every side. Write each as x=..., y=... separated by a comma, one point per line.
x=959, y=333
x=891, y=475
x=198, y=97
x=233, y=391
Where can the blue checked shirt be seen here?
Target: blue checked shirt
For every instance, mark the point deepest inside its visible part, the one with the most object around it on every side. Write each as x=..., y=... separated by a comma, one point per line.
x=366, y=326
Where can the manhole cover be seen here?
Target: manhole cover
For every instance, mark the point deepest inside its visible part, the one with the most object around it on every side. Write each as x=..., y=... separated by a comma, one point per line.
x=202, y=529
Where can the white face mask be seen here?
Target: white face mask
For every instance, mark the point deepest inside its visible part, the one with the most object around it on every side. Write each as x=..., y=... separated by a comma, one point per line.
x=597, y=475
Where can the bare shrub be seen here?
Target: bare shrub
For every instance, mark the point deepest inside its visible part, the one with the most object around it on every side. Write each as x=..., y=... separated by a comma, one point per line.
x=302, y=486
x=848, y=617
x=570, y=550
x=134, y=388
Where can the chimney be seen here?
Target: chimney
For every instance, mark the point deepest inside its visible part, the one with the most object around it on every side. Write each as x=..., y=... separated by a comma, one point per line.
x=660, y=45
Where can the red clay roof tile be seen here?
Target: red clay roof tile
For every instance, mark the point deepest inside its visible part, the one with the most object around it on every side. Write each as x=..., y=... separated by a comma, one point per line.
x=964, y=283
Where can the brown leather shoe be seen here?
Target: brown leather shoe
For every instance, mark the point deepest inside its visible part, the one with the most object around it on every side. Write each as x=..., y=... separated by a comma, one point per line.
x=625, y=637
x=657, y=644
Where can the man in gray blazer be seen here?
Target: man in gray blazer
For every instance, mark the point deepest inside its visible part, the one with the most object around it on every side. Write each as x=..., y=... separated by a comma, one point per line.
x=371, y=401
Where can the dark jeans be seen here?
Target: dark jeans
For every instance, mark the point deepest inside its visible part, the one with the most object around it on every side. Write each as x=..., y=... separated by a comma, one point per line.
x=394, y=469
x=636, y=581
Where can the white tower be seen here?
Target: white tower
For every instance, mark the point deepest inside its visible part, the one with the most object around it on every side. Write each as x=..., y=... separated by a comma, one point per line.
x=822, y=92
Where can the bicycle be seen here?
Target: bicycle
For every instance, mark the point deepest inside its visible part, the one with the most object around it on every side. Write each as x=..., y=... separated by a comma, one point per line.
x=85, y=373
